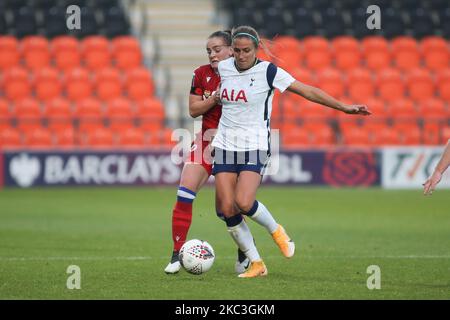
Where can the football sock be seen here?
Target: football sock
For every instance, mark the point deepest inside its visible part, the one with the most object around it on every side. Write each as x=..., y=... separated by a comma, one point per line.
x=241, y=234
x=182, y=217
x=262, y=216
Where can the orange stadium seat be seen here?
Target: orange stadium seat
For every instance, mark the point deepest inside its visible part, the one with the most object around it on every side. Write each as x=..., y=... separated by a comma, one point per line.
x=406, y=53
x=78, y=84
x=47, y=83
x=35, y=52
x=96, y=52
x=58, y=113
x=376, y=52
x=64, y=137
x=433, y=109
x=390, y=84
x=16, y=83
x=10, y=138
x=66, y=52
x=126, y=52
x=38, y=138
x=99, y=137
x=380, y=112
x=89, y=113
x=355, y=136
x=403, y=110
x=319, y=133
x=150, y=114
x=313, y=111
x=331, y=81
x=420, y=84
x=9, y=52
x=317, y=52
x=346, y=52
x=288, y=60
x=409, y=134
x=27, y=108
x=131, y=137
x=304, y=76
x=360, y=84
x=262, y=54
x=139, y=84
x=382, y=135
x=443, y=84
x=285, y=43
x=291, y=110
x=108, y=83
x=120, y=114
x=435, y=51
x=431, y=133
x=295, y=137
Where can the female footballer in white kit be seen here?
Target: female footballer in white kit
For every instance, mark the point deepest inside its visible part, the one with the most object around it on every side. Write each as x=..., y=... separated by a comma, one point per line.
x=242, y=142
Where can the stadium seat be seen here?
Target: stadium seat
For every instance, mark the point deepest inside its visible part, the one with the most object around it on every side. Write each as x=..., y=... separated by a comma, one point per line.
x=108, y=84
x=406, y=53
x=433, y=109
x=445, y=135
x=126, y=52
x=422, y=22
x=78, y=84
x=317, y=52
x=346, y=52
x=10, y=138
x=132, y=137
x=115, y=22
x=403, y=110
x=150, y=114
x=55, y=21
x=16, y=83
x=380, y=112
x=120, y=114
x=435, y=52
x=331, y=81
x=381, y=135
x=27, y=108
x=376, y=52
x=431, y=133
x=420, y=84
x=38, y=138
x=393, y=23
x=64, y=137
x=360, y=84
x=89, y=113
x=9, y=52
x=333, y=22
x=291, y=110
x=47, y=83
x=408, y=134
x=5, y=113
x=96, y=52
x=35, y=52
x=390, y=84
x=304, y=24
x=139, y=84
x=99, y=138
x=294, y=138
x=66, y=52
x=58, y=113
x=355, y=136
x=443, y=83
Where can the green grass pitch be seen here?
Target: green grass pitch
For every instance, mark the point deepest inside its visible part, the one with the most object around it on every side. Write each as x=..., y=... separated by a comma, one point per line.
x=121, y=240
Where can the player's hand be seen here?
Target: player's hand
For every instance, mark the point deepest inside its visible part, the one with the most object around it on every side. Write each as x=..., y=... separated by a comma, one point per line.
x=430, y=184
x=216, y=95
x=356, y=109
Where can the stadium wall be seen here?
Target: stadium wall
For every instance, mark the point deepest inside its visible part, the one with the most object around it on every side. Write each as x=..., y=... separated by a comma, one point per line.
x=401, y=168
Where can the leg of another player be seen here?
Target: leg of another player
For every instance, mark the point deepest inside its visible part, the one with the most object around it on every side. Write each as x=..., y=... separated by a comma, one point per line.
x=246, y=189
x=236, y=225
x=193, y=177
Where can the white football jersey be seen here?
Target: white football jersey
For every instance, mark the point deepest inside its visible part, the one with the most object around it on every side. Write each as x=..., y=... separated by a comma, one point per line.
x=247, y=104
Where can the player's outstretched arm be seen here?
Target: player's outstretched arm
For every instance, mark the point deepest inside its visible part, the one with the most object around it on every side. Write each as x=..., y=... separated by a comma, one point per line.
x=443, y=164
x=316, y=95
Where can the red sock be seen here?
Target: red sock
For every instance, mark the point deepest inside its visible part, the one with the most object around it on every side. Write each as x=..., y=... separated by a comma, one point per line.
x=181, y=221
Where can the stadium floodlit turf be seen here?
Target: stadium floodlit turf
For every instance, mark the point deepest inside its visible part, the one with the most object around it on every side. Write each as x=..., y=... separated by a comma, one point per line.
x=121, y=240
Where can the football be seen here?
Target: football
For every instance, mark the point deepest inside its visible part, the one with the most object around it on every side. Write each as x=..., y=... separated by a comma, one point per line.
x=196, y=256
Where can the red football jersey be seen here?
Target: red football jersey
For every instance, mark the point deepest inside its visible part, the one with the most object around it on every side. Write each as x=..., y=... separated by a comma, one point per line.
x=204, y=83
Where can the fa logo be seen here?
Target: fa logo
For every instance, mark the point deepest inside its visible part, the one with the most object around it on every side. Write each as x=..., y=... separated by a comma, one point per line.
x=74, y=17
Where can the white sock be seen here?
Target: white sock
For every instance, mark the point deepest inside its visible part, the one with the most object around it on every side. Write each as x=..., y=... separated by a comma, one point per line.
x=243, y=237
x=263, y=217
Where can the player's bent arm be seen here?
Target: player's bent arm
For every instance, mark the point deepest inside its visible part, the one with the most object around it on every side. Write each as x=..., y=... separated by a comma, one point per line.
x=319, y=96
x=198, y=106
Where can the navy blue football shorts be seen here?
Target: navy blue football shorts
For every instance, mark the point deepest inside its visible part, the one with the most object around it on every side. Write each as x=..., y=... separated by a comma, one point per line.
x=238, y=161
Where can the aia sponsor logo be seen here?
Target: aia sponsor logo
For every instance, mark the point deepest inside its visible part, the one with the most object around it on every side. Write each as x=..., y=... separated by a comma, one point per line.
x=350, y=168
x=233, y=95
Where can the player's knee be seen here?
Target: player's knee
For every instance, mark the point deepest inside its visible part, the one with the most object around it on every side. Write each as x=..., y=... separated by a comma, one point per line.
x=244, y=204
x=227, y=209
